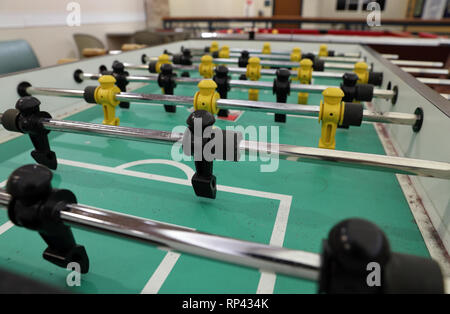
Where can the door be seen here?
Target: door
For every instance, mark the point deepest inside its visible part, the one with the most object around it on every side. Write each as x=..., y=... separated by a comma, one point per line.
x=287, y=8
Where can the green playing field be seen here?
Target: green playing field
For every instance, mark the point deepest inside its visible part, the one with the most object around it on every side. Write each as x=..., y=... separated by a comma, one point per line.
x=294, y=207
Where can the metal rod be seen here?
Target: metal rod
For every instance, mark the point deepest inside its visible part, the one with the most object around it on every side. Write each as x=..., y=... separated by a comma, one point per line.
x=289, y=152
x=434, y=81
x=287, y=52
x=192, y=68
x=272, y=107
x=263, y=257
x=184, y=101
x=90, y=76
x=425, y=71
x=273, y=57
x=383, y=93
x=288, y=58
x=338, y=66
x=350, y=159
x=390, y=117
x=235, y=70
x=67, y=93
x=261, y=85
x=410, y=63
x=273, y=72
x=390, y=56
x=119, y=132
x=286, y=64
x=5, y=198
x=446, y=96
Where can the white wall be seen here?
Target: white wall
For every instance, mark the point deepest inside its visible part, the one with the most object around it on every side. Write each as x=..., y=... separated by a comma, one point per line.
x=311, y=8
x=43, y=23
x=26, y=13
x=224, y=8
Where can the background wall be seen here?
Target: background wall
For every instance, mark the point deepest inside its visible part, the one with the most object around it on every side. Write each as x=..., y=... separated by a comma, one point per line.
x=156, y=9
x=43, y=23
x=311, y=8
x=217, y=8
x=25, y=13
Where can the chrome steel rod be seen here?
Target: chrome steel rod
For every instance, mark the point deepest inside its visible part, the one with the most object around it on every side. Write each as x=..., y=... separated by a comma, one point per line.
x=383, y=163
x=287, y=52
x=188, y=68
x=272, y=72
x=433, y=81
x=129, y=66
x=390, y=117
x=143, y=79
x=410, y=63
x=261, y=85
x=264, y=85
x=383, y=93
x=119, y=132
x=237, y=104
x=185, y=240
x=90, y=76
x=5, y=198
x=285, y=64
x=68, y=93
x=342, y=59
x=328, y=65
x=181, y=239
x=334, y=65
x=312, y=111
x=271, y=107
x=235, y=70
x=314, y=155
x=273, y=57
x=185, y=101
x=288, y=58
x=424, y=71
x=390, y=56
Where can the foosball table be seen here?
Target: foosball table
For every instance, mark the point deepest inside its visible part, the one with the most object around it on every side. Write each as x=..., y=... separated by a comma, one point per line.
x=324, y=163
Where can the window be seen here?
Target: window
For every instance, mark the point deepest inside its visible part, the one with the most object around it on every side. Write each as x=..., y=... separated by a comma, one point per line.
x=382, y=4
x=354, y=5
x=341, y=5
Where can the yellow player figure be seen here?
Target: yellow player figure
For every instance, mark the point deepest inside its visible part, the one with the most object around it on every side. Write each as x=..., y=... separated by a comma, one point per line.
x=305, y=77
x=206, y=98
x=206, y=67
x=331, y=115
x=253, y=74
x=105, y=95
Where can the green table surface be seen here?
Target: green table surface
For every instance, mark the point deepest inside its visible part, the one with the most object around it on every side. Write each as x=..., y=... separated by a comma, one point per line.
x=315, y=197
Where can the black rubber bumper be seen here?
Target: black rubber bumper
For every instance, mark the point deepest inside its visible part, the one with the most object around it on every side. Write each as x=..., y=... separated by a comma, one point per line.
x=353, y=114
